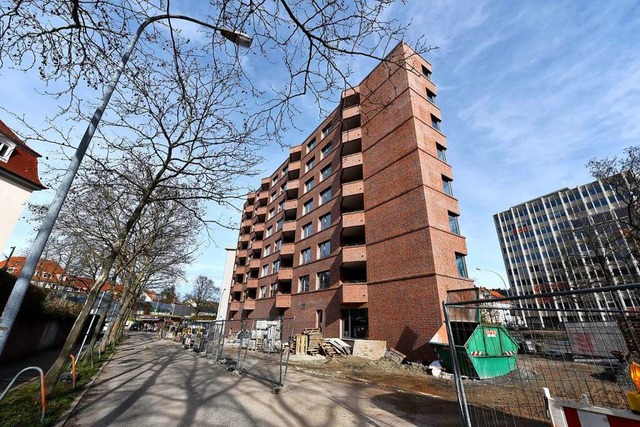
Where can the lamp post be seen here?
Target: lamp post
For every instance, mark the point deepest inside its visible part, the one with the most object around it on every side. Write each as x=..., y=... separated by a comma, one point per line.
x=22, y=283
x=497, y=274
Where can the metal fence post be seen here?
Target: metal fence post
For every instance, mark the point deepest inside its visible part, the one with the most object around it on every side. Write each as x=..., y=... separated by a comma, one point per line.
x=457, y=376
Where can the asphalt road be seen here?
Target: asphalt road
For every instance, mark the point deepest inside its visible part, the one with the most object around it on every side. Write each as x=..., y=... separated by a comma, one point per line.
x=150, y=382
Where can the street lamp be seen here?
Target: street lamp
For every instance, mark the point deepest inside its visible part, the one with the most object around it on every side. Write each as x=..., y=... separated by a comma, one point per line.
x=497, y=274
x=22, y=283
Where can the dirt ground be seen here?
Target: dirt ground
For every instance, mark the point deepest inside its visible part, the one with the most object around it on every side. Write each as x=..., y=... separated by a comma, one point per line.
x=518, y=394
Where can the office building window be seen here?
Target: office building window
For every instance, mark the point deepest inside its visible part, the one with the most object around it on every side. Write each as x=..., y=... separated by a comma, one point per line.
x=308, y=185
x=431, y=97
x=311, y=145
x=325, y=221
x=310, y=164
x=303, y=284
x=267, y=250
x=305, y=256
x=447, y=185
x=325, y=150
x=441, y=152
x=324, y=249
x=323, y=280
x=462, y=265
x=426, y=72
x=307, y=230
x=435, y=123
x=453, y=223
x=325, y=196
x=307, y=207
x=325, y=172
x=327, y=129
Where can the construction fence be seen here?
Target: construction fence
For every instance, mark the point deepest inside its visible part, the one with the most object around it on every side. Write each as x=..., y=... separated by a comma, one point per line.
x=512, y=357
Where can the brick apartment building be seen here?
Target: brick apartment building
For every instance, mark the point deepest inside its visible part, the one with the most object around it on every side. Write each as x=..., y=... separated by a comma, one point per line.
x=356, y=232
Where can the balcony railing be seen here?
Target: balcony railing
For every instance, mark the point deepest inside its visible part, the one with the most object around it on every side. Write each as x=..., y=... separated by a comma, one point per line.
x=283, y=301
x=285, y=274
x=354, y=292
x=353, y=219
x=354, y=254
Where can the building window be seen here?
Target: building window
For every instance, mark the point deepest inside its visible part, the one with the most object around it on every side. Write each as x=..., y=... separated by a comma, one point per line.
x=285, y=170
x=279, y=224
x=265, y=270
x=305, y=256
x=431, y=97
x=441, y=152
x=325, y=172
x=447, y=185
x=355, y=323
x=426, y=72
x=269, y=231
x=325, y=150
x=453, y=223
x=311, y=145
x=308, y=185
x=276, y=266
x=324, y=249
x=274, y=289
x=278, y=245
x=281, y=206
x=307, y=207
x=6, y=149
x=325, y=221
x=462, y=265
x=273, y=196
x=267, y=250
x=325, y=196
x=323, y=280
x=310, y=164
x=272, y=212
x=274, y=180
x=327, y=129
x=263, y=291
x=435, y=123
x=307, y=230
x=303, y=284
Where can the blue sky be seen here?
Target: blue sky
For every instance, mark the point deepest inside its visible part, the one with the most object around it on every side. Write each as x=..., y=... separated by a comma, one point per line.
x=529, y=92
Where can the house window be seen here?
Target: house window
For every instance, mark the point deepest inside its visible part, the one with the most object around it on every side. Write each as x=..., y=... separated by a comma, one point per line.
x=263, y=291
x=307, y=230
x=278, y=245
x=462, y=265
x=323, y=280
x=325, y=196
x=325, y=221
x=307, y=207
x=325, y=172
x=276, y=266
x=426, y=72
x=269, y=231
x=305, y=256
x=327, y=129
x=310, y=164
x=281, y=206
x=273, y=196
x=267, y=250
x=355, y=323
x=447, y=186
x=272, y=212
x=324, y=249
x=435, y=123
x=274, y=289
x=274, y=180
x=431, y=97
x=308, y=185
x=311, y=145
x=265, y=270
x=285, y=170
x=441, y=152
x=453, y=223
x=325, y=150
x=279, y=224
x=5, y=150
x=303, y=284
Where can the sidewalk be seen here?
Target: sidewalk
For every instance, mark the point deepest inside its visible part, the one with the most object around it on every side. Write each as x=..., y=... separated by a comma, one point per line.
x=151, y=382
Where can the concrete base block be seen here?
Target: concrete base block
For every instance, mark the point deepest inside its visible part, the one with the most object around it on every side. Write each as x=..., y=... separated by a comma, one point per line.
x=280, y=389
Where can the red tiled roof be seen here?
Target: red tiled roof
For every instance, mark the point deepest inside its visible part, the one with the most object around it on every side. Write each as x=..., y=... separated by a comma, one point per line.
x=23, y=162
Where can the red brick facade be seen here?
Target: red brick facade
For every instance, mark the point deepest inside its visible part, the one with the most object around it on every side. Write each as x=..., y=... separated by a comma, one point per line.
x=388, y=247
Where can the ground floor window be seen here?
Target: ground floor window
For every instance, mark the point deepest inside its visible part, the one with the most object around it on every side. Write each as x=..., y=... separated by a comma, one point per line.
x=355, y=323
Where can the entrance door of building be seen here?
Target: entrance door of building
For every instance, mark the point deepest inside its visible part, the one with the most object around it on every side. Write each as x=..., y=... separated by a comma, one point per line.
x=355, y=323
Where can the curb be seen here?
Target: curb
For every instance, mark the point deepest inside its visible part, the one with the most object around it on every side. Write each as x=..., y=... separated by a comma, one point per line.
x=62, y=420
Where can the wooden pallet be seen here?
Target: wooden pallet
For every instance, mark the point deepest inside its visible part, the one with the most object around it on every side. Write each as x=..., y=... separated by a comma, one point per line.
x=301, y=344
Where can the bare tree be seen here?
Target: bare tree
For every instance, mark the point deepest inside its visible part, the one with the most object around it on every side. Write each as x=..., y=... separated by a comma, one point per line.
x=203, y=294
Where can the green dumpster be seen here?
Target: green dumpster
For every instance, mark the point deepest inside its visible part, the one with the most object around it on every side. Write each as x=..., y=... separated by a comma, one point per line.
x=484, y=350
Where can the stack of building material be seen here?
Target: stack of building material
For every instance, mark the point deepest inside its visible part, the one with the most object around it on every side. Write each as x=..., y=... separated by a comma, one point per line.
x=340, y=346
x=314, y=341
x=395, y=355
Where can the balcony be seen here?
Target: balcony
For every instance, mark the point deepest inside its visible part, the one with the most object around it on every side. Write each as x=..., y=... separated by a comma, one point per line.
x=254, y=264
x=290, y=205
x=354, y=254
x=265, y=183
x=352, y=135
x=234, y=306
x=287, y=250
x=283, y=301
x=354, y=188
x=295, y=153
x=256, y=245
x=292, y=188
x=352, y=167
x=354, y=293
x=248, y=209
x=353, y=219
x=236, y=288
x=245, y=224
x=249, y=305
x=258, y=228
x=252, y=283
x=350, y=112
x=285, y=274
x=263, y=196
x=241, y=269
x=244, y=238
x=294, y=170
x=261, y=211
